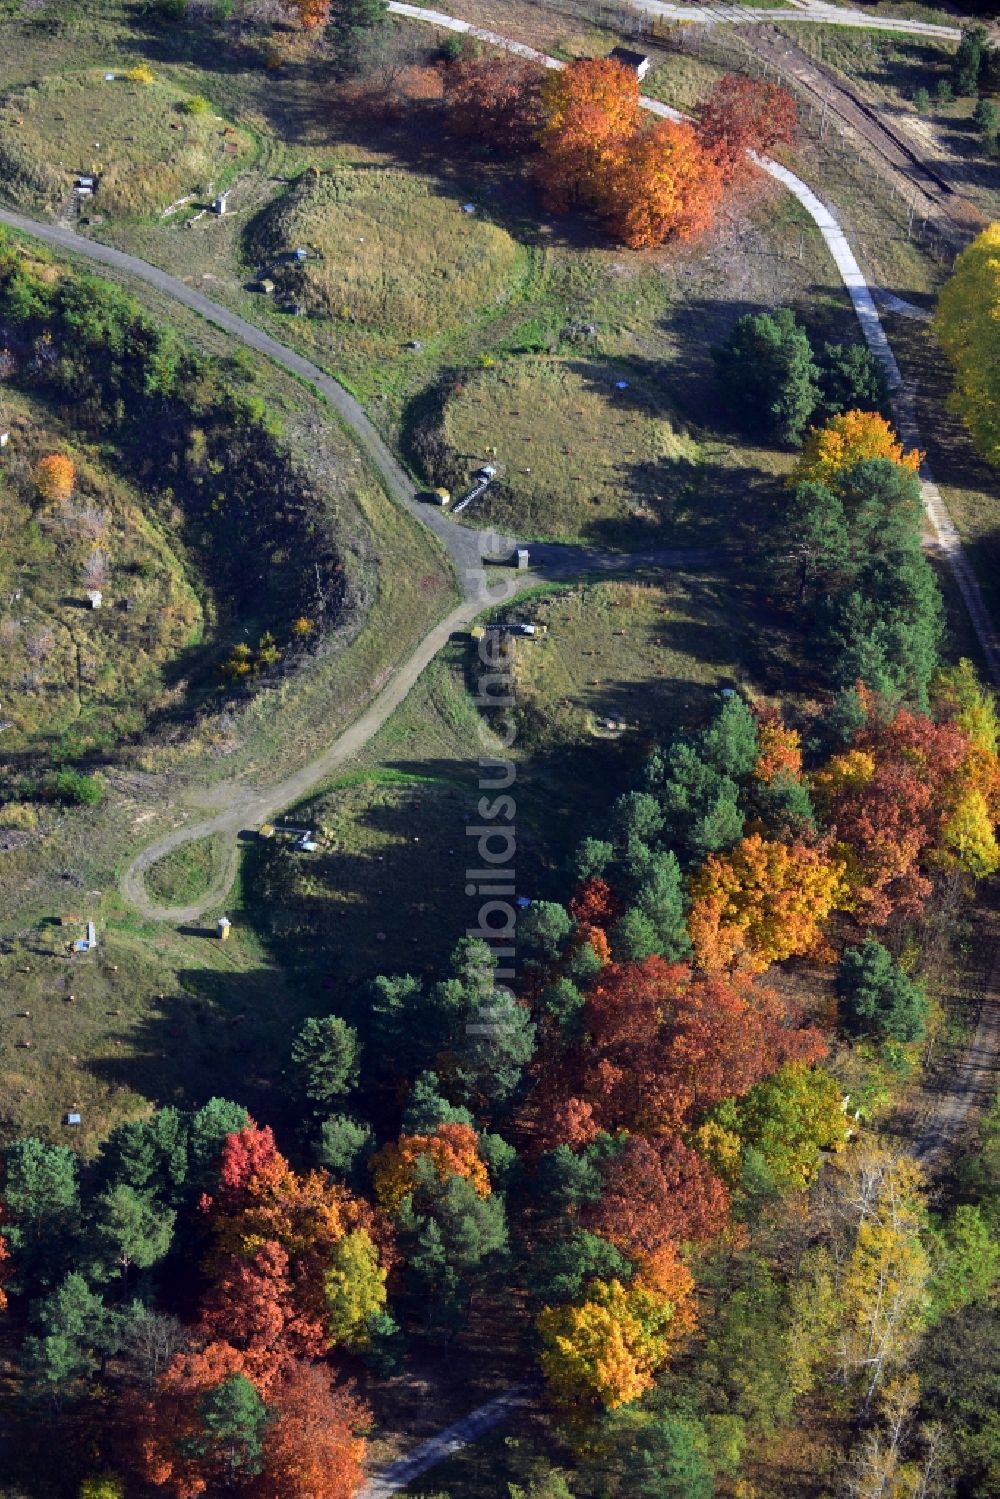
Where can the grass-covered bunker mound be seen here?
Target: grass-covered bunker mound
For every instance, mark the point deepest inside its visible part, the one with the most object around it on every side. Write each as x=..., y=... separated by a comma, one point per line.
x=581, y=450
x=388, y=252
x=621, y=662
x=147, y=143
x=223, y=508
x=96, y=604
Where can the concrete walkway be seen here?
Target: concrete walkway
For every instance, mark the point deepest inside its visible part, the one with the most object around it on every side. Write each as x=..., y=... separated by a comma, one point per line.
x=447, y=1442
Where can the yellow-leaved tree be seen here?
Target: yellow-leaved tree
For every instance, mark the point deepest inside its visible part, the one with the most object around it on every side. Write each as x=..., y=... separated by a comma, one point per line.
x=761, y=902
x=849, y=438
x=606, y=1349
x=355, y=1289
x=966, y=322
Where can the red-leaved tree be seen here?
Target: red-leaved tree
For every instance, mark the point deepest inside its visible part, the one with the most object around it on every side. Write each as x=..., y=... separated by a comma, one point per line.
x=495, y=99
x=744, y=114
x=657, y=1192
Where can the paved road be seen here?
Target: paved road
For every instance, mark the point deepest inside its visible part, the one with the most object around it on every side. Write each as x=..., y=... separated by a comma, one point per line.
x=814, y=11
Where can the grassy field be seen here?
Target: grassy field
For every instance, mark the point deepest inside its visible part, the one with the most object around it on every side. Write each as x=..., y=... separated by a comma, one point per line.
x=151, y=1016
x=186, y=872
x=72, y=677
x=147, y=141
x=550, y=416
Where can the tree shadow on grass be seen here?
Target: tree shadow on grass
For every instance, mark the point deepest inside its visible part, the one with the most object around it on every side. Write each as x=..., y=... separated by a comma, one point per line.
x=219, y=1034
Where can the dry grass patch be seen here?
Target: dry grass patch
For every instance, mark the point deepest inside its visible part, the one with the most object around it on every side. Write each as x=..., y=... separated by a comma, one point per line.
x=387, y=251
x=623, y=662
x=139, y=139
x=575, y=453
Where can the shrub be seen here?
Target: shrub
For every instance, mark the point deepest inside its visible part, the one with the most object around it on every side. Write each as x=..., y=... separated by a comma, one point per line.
x=141, y=73
x=76, y=789
x=18, y=815
x=922, y=100
x=196, y=105
x=55, y=476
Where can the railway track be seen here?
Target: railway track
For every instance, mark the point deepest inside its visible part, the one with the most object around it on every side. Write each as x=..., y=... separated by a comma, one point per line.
x=927, y=188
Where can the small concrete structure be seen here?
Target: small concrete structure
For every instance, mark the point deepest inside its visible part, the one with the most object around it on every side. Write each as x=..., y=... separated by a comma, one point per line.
x=4, y=439
x=266, y=285
x=222, y=928
x=301, y=254
x=73, y=1118
x=88, y=943
x=522, y=559
x=636, y=62
x=442, y=496
x=219, y=204
x=96, y=597
x=266, y=830
x=306, y=846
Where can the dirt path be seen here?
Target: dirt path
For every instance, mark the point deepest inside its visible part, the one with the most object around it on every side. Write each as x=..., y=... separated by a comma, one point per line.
x=803, y=11
x=248, y=808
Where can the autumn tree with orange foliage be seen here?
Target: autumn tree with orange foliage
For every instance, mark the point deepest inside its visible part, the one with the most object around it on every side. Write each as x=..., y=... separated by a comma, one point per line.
x=594, y=904
x=306, y=1431
x=667, y=187
x=908, y=796
x=251, y=1305
x=762, y=902
x=311, y=1450
x=496, y=100
x=55, y=477
x=650, y=182
x=268, y=1222
x=590, y=113
x=311, y=13
x=744, y=114
x=606, y=1350
x=780, y=748
x=852, y=437
x=166, y=1437
x=452, y=1150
